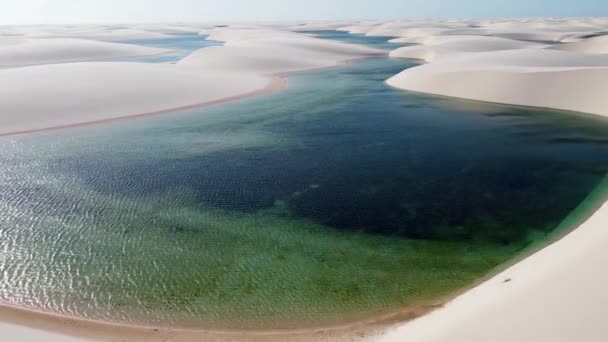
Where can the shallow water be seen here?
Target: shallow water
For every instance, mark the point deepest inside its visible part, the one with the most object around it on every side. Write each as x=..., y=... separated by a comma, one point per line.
x=336, y=199
x=183, y=45
x=378, y=42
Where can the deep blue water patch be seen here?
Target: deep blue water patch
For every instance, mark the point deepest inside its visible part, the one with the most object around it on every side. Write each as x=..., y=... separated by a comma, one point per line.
x=372, y=158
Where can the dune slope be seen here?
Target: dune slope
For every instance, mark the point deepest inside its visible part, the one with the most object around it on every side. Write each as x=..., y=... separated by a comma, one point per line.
x=269, y=51
x=450, y=46
x=76, y=93
x=529, y=77
x=594, y=45
x=30, y=51
x=556, y=295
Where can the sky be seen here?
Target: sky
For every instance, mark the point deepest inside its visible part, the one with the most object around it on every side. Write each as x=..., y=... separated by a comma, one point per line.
x=102, y=11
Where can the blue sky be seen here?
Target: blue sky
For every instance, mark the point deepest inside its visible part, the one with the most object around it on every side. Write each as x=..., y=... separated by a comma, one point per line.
x=86, y=11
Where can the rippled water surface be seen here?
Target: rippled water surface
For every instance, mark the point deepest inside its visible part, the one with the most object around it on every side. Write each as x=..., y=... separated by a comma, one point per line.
x=336, y=199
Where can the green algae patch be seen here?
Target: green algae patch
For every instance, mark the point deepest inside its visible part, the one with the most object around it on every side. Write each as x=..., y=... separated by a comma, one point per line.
x=164, y=260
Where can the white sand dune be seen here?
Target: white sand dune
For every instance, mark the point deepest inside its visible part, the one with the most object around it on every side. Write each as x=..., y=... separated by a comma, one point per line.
x=274, y=56
x=320, y=25
x=172, y=28
x=360, y=28
x=557, y=295
x=407, y=29
x=451, y=46
x=76, y=93
x=238, y=34
x=542, y=30
x=419, y=32
x=595, y=45
x=528, y=77
x=30, y=51
x=532, y=29
x=269, y=52
x=534, y=35
x=14, y=332
x=114, y=33
x=117, y=35
x=487, y=68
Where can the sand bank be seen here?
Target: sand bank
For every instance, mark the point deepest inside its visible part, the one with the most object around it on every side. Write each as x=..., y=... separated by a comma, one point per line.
x=320, y=25
x=483, y=65
x=530, y=29
x=76, y=93
x=94, y=32
x=538, y=78
x=271, y=52
x=594, y=45
x=558, y=294
x=432, y=48
x=31, y=51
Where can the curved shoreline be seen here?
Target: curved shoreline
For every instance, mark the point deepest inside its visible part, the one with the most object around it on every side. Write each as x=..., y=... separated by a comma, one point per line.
x=275, y=83
x=436, y=326
x=92, y=329
x=86, y=329
x=553, y=291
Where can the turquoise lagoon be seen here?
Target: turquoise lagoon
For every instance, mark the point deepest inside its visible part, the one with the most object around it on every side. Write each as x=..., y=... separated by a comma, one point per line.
x=340, y=198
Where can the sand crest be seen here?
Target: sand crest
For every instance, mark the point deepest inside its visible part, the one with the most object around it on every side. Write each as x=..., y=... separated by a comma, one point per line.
x=30, y=51
x=487, y=64
x=594, y=45
x=556, y=295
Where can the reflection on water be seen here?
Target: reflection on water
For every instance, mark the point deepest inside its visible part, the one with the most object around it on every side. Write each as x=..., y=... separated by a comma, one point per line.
x=338, y=198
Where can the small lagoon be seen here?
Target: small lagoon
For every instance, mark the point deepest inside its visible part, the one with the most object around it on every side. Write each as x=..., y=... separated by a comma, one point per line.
x=338, y=199
x=181, y=44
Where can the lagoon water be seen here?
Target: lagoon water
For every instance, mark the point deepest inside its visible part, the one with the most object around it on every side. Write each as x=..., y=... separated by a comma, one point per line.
x=182, y=45
x=337, y=199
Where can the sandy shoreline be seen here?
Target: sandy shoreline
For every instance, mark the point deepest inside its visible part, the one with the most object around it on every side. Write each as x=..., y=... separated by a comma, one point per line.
x=531, y=292
x=386, y=327
x=276, y=84
x=18, y=321
x=69, y=94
